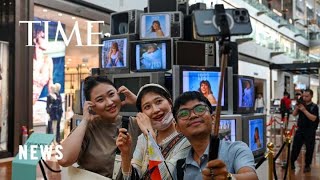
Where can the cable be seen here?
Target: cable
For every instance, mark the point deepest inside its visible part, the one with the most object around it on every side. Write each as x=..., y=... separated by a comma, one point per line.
x=43, y=171
x=52, y=170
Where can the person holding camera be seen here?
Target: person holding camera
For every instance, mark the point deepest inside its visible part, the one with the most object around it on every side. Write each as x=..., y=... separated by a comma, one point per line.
x=307, y=125
x=194, y=115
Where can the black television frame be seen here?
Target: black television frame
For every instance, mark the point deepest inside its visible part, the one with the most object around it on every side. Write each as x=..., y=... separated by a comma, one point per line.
x=208, y=55
x=245, y=132
x=155, y=77
x=125, y=69
x=177, y=73
x=169, y=54
x=238, y=124
x=236, y=108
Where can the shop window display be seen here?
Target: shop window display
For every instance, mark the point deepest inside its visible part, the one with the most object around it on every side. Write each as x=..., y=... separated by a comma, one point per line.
x=59, y=63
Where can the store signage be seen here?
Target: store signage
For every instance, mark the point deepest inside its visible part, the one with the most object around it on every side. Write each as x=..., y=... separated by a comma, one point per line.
x=61, y=31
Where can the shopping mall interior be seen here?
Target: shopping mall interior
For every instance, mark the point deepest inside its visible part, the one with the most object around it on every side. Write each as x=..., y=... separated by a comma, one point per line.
x=258, y=59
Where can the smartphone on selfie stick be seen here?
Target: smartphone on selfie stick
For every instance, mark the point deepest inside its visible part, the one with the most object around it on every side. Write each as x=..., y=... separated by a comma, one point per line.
x=222, y=23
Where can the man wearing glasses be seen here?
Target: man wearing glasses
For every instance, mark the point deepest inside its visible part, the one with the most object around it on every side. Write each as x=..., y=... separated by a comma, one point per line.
x=193, y=113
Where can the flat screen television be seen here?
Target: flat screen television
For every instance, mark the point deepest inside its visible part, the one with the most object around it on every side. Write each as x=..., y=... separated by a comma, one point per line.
x=230, y=128
x=134, y=82
x=254, y=133
x=149, y=56
x=202, y=79
x=244, y=93
x=114, y=54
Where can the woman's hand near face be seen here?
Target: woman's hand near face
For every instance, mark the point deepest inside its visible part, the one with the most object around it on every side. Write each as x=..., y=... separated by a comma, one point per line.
x=130, y=98
x=124, y=142
x=88, y=113
x=144, y=124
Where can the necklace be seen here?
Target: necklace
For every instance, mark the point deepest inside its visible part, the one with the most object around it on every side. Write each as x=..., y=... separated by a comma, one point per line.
x=167, y=139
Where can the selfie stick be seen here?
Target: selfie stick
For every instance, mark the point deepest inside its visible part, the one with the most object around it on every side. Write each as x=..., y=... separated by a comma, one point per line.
x=222, y=22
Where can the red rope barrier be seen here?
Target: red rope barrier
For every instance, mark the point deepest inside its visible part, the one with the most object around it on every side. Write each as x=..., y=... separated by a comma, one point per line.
x=292, y=129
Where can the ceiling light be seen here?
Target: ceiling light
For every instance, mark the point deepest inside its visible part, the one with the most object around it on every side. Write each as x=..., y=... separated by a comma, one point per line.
x=69, y=59
x=65, y=65
x=59, y=14
x=45, y=10
x=73, y=17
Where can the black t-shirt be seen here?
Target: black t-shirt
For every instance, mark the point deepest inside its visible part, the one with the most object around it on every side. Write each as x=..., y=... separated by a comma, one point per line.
x=304, y=122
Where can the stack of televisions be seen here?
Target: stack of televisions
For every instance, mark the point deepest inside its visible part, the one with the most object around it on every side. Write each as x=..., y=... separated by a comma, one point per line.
x=160, y=46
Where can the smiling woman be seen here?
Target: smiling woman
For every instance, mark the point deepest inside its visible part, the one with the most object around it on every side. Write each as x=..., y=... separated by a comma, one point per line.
x=154, y=104
x=92, y=144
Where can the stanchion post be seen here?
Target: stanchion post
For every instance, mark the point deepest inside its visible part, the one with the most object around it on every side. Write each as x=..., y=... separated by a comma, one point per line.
x=288, y=143
x=270, y=154
x=274, y=130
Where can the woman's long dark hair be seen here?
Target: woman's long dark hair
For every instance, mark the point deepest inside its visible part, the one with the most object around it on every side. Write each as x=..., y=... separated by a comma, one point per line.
x=206, y=82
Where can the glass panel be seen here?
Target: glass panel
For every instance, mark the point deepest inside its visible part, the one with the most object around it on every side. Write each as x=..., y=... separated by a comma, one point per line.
x=4, y=71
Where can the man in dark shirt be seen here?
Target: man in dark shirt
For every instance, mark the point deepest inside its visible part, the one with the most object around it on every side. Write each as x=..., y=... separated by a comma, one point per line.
x=307, y=125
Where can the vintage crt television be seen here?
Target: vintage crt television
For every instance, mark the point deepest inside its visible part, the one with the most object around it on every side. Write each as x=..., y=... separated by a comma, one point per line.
x=154, y=55
x=230, y=128
x=200, y=78
x=254, y=133
x=114, y=54
x=194, y=53
x=134, y=82
x=161, y=25
x=162, y=5
x=125, y=22
x=244, y=94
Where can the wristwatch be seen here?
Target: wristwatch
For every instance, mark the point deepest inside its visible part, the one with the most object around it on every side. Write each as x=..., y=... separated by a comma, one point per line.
x=230, y=177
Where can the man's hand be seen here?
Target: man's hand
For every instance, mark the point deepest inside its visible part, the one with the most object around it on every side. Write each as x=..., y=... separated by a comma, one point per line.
x=301, y=107
x=216, y=169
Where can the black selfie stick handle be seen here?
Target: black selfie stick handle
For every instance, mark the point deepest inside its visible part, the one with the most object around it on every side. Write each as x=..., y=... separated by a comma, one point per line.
x=214, y=147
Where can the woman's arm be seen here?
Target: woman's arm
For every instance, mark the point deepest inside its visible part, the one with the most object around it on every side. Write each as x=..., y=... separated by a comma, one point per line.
x=212, y=99
x=71, y=147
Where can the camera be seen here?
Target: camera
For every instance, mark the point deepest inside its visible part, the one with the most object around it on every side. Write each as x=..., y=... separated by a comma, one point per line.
x=207, y=22
x=300, y=101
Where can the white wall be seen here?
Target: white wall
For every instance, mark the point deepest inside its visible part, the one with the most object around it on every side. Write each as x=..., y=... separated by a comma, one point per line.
x=119, y=5
x=257, y=71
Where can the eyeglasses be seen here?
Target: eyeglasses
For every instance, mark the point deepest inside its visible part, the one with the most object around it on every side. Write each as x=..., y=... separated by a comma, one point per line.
x=199, y=110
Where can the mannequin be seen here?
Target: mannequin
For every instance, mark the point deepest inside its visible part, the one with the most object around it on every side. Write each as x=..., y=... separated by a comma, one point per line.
x=54, y=109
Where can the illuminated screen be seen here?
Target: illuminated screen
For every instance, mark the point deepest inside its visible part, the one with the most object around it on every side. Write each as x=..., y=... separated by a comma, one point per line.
x=155, y=26
x=246, y=92
x=206, y=82
x=256, y=134
x=227, y=130
x=114, y=53
x=151, y=56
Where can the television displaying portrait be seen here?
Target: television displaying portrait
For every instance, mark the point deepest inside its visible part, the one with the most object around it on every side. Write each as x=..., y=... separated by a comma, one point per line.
x=227, y=130
x=151, y=56
x=206, y=82
x=245, y=92
x=155, y=26
x=256, y=134
x=114, y=53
